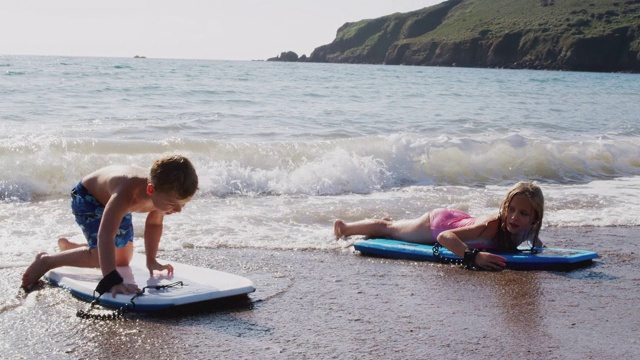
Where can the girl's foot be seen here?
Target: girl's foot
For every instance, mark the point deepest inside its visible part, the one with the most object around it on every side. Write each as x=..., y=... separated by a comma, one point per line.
x=338, y=226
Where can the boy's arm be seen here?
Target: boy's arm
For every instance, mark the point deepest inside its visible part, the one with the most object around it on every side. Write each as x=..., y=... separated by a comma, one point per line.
x=114, y=211
x=152, y=234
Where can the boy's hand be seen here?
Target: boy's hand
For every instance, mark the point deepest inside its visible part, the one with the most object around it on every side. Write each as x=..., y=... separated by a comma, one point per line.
x=123, y=288
x=155, y=265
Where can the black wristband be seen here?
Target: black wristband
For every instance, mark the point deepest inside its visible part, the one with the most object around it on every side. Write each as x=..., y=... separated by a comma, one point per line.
x=110, y=280
x=469, y=259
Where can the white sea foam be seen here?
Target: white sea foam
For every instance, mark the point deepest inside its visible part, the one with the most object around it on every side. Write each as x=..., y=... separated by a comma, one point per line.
x=49, y=167
x=281, y=151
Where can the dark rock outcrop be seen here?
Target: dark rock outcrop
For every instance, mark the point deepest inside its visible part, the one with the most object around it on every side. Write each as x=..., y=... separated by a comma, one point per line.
x=288, y=56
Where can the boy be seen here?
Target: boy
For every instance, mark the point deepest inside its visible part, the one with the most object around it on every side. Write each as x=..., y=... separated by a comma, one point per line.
x=102, y=203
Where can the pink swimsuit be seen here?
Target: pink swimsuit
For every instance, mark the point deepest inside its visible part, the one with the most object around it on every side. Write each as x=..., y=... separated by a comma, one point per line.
x=447, y=219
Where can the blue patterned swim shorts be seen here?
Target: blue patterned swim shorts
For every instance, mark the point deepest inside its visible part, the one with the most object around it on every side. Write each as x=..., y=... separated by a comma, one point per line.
x=88, y=212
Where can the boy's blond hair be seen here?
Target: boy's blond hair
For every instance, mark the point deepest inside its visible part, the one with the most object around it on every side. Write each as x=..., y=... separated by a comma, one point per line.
x=174, y=174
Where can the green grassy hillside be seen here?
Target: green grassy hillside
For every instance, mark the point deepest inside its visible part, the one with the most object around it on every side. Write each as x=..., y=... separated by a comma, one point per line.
x=595, y=35
x=560, y=17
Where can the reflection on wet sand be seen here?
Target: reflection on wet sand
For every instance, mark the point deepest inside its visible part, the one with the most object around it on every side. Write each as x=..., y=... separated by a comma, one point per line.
x=520, y=296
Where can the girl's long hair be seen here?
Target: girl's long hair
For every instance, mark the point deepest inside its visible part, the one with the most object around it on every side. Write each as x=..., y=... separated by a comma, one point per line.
x=534, y=193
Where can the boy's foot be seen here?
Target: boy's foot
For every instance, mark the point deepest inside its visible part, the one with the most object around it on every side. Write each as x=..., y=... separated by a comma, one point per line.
x=64, y=244
x=34, y=272
x=34, y=287
x=338, y=225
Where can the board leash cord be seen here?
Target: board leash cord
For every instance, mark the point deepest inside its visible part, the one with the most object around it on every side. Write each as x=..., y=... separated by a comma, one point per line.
x=120, y=312
x=454, y=261
x=459, y=261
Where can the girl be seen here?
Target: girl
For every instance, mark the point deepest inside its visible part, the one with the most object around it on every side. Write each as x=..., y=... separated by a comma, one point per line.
x=519, y=219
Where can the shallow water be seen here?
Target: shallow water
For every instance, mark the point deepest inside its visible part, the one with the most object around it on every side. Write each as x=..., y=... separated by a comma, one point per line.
x=324, y=304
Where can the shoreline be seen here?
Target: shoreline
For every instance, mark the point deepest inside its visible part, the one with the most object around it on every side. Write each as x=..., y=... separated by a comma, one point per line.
x=338, y=304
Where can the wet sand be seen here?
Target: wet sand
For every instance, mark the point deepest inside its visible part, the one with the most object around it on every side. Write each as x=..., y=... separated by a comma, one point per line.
x=337, y=304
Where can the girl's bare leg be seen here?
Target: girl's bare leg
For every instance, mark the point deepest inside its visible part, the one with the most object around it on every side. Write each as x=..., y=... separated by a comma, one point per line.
x=414, y=230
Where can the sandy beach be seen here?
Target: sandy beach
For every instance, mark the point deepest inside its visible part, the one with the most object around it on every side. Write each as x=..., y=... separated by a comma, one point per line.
x=341, y=305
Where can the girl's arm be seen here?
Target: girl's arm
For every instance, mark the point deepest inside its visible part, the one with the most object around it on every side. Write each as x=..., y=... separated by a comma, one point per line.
x=455, y=239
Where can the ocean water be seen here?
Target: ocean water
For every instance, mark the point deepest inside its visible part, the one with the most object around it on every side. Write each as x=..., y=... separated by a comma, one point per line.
x=283, y=149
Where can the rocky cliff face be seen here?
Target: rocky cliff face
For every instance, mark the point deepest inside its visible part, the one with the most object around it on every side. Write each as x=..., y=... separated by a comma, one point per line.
x=594, y=35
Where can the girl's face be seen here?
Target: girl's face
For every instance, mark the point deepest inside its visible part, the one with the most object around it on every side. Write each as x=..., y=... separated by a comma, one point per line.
x=520, y=215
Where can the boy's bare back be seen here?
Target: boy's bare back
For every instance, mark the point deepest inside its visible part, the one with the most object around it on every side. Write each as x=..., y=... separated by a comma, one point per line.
x=127, y=181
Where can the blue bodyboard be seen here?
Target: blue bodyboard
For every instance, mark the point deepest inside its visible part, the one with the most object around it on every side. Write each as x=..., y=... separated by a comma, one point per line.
x=544, y=259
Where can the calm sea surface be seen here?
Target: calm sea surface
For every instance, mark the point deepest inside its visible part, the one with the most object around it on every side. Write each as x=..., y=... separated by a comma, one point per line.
x=282, y=149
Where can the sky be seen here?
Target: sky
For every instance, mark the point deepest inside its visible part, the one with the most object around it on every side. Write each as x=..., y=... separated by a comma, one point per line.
x=186, y=29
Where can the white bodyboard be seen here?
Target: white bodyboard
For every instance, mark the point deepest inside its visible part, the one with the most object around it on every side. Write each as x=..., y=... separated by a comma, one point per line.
x=190, y=284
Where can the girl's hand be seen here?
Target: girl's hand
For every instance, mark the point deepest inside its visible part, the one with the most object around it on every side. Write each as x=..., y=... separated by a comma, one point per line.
x=155, y=265
x=490, y=261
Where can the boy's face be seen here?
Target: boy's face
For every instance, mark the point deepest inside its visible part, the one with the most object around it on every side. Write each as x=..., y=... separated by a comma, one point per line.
x=168, y=203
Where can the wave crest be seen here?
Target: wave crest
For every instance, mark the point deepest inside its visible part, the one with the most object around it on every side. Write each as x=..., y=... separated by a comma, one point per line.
x=50, y=166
